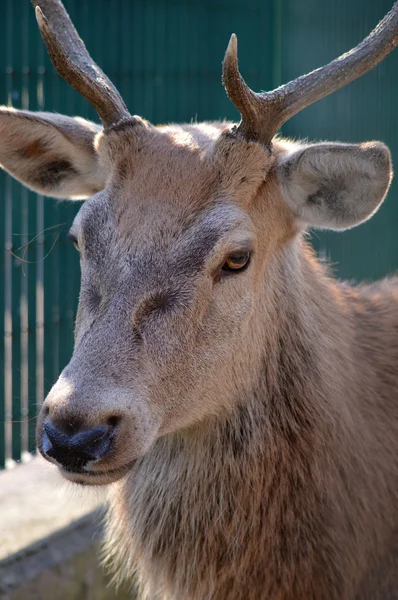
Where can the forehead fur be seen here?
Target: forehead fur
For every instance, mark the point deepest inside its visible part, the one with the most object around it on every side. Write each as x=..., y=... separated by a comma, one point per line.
x=185, y=166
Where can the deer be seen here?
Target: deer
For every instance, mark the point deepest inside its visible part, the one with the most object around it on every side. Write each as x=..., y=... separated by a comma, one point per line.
x=239, y=403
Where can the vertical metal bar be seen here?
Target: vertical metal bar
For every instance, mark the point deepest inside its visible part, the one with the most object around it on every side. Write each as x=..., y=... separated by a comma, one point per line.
x=24, y=305
x=40, y=256
x=8, y=272
x=58, y=95
x=39, y=303
x=8, y=326
x=32, y=46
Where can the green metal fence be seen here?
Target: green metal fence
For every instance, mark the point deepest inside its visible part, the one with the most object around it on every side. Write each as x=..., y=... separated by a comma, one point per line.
x=165, y=57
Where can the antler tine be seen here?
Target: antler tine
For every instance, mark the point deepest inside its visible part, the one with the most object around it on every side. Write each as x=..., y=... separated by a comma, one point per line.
x=263, y=114
x=72, y=61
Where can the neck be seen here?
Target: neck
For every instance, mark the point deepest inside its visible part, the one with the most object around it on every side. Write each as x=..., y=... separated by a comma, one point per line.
x=208, y=508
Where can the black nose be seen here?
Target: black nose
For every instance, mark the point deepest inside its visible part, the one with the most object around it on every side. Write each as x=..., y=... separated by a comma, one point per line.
x=73, y=450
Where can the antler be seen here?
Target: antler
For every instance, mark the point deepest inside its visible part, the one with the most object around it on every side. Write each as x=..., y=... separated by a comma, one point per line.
x=263, y=114
x=72, y=61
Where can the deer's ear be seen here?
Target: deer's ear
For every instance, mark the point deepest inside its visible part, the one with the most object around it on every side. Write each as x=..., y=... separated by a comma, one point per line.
x=51, y=154
x=335, y=186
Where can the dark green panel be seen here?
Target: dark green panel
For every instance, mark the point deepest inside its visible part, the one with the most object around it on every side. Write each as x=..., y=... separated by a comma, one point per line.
x=365, y=110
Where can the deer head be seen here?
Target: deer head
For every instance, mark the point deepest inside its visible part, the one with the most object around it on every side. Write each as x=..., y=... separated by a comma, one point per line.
x=182, y=239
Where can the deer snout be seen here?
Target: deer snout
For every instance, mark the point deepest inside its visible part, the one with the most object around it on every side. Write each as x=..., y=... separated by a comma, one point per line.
x=94, y=432
x=74, y=448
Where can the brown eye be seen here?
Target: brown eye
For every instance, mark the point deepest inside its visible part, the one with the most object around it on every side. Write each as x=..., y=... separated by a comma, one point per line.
x=237, y=261
x=74, y=241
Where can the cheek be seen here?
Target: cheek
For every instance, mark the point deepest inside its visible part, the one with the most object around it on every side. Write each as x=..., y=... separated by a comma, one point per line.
x=231, y=311
x=211, y=346
x=83, y=324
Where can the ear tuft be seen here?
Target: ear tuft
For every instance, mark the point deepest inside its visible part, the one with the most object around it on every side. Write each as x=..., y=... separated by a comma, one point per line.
x=335, y=186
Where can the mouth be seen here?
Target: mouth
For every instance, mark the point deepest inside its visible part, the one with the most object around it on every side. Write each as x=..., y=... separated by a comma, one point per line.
x=83, y=477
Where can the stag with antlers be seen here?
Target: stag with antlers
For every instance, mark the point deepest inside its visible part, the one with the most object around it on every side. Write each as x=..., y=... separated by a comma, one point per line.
x=240, y=404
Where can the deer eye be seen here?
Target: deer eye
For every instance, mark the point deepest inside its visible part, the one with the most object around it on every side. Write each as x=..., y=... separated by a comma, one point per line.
x=74, y=241
x=237, y=261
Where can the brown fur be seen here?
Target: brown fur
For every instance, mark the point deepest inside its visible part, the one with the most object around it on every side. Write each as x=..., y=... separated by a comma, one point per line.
x=256, y=453
x=293, y=495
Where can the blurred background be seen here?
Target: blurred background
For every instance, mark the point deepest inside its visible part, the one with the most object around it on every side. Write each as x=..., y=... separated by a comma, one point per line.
x=165, y=58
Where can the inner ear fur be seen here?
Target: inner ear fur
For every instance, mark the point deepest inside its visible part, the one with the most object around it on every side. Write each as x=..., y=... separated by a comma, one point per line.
x=51, y=154
x=335, y=186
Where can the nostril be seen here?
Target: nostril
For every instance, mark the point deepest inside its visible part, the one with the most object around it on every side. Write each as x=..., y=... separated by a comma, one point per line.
x=88, y=438
x=113, y=422
x=75, y=449
x=54, y=435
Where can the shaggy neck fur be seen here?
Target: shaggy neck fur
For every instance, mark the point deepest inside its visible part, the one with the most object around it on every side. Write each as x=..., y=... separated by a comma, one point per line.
x=276, y=500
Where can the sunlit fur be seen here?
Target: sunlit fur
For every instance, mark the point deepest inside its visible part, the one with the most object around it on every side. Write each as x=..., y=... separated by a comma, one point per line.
x=258, y=436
